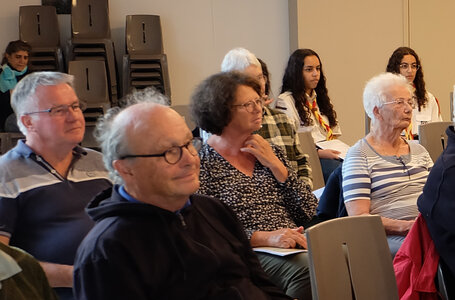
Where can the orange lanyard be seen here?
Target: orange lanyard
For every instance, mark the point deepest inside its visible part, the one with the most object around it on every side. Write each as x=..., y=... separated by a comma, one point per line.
x=315, y=110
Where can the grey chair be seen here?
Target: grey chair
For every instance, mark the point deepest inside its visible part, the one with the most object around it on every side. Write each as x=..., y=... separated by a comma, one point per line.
x=434, y=138
x=308, y=147
x=144, y=63
x=91, y=85
x=38, y=26
x=350, y=259
x=143, y=34
x=91, y=39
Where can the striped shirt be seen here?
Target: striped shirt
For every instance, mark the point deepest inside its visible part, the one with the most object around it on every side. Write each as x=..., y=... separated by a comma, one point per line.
x=392, y=183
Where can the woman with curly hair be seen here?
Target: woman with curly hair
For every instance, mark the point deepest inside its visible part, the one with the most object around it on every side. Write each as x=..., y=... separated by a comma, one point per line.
x=304, y=98
x=406, y=62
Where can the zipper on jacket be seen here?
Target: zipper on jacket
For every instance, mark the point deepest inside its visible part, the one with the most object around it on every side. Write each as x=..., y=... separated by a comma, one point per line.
x=182, y=220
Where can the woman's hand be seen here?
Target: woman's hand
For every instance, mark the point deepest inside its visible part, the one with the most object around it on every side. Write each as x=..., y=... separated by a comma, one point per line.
x=256, y=145
x=281, y=238
x=328, y=153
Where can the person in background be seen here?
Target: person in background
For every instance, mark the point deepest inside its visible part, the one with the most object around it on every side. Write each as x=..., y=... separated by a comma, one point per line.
x=153, y=238
x=48, y=179
x=406, y=62
x=304, y=98
x=276, y=127
x=14, y=68
x=253, y=177
x=383, y=173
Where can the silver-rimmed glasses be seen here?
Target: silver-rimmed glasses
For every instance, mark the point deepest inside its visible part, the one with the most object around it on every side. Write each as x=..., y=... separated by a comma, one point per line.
x=61, y=110
x=402, y=101
x=405, y=66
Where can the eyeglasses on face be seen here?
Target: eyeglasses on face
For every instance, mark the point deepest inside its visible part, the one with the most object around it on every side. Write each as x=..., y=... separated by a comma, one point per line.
x=61, y=110
x=173, y=154
x=405, y=66
x=250, y=105
x=402, y=101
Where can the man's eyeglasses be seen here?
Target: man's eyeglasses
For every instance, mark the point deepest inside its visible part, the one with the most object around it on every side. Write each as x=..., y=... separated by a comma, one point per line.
x=401, y=102
x=250, y=105
x=61, y=110
x=173, y=154
x=405, y=66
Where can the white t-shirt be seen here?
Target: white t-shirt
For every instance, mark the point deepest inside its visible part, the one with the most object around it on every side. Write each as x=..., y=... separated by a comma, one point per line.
x=429, y=113
x=286, y=104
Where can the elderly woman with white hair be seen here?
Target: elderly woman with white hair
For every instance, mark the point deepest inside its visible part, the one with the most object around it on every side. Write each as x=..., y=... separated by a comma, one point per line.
x=383, y=173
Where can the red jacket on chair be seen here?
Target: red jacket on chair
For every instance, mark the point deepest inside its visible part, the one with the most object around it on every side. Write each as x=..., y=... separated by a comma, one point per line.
x=416, y=264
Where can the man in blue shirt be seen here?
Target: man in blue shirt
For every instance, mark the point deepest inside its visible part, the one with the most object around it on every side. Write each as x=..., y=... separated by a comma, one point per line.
x=47, y=179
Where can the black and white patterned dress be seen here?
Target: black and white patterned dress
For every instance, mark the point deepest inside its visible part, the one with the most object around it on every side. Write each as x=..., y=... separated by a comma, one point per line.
x=261, y=202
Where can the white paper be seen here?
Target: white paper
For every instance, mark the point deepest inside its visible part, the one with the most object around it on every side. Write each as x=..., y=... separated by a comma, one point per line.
x=335, y=145
x=278, y=251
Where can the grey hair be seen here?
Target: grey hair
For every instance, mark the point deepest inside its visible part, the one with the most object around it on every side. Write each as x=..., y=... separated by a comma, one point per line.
x=149, y=94
x=23, y=97
x=238, y=59
x=112, y=136
x=374, y=93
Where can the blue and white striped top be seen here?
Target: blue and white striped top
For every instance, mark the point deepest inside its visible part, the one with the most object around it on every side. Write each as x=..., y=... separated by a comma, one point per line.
x=392, y=183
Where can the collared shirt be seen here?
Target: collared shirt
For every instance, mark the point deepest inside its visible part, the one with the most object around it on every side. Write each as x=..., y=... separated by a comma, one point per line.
x=279, y=130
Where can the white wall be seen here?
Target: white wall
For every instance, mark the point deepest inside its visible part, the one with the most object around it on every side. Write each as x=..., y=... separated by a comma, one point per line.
x=432, y=37
x=354, y=40
x=9, y=20
x=197, y=34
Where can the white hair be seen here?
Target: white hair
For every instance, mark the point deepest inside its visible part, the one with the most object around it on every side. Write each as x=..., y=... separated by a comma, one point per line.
x=112, y=136
x=238, y=59
x=23, y=97
x=374, y=93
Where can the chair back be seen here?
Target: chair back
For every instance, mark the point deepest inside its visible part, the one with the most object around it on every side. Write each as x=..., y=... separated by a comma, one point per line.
x=90, y=19
x=90, y=80
x=143, y=34
x=308, y=147
x=350, y=259
x=434, y=138
x=38, y=26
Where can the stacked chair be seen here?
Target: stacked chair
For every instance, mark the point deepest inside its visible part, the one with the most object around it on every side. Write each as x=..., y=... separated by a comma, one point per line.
x=38, y=26
x=144, y=63
x=91, y=39
x=91, y=85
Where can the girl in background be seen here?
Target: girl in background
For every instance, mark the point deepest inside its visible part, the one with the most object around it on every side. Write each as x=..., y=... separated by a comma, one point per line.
x=406, y=62
x=304, y=98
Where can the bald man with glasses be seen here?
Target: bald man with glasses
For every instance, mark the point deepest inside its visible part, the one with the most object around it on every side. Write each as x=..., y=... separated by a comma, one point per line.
x=47, y=179
x=153, y=238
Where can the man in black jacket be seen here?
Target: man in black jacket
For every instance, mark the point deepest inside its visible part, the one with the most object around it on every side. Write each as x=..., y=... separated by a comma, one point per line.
x=153, y=239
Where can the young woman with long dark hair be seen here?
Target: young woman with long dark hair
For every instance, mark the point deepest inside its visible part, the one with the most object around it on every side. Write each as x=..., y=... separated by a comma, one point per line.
x=406, y=62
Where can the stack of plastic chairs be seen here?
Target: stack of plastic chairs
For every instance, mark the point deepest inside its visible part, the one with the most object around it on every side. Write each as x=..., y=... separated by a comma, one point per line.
x=91, y=85
x=91, y=38
x=38, y=26
x=145, y=64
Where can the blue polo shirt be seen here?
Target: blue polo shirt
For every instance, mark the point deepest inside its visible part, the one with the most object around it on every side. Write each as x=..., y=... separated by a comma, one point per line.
x=42, y=212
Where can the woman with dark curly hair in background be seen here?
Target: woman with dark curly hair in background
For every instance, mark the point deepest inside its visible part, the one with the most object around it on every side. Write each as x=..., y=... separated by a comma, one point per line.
x=406, y=62
x=304, y=98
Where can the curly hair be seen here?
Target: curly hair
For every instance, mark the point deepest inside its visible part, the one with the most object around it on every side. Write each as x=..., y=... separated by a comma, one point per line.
x=211, y=102
x=393, y=66
x=293, y=82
